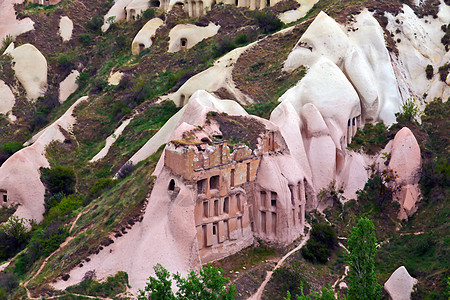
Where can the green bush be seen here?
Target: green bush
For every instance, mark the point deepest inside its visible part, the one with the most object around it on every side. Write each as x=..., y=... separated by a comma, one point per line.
x=85, y=39
x=371, y=138
x=222, y=47
x=58, y=179
x=95, y=24
x=45, y=240
x=241, y=39
x=64, y=208
x=83, y=78
x=13, y=237
x=11, y=147
x=8, y=283
x=101, y=185
x=67, y=61
x=113, y=286
x=322, y=242
x=8, y=39
x=148, y=13
x=267, y=21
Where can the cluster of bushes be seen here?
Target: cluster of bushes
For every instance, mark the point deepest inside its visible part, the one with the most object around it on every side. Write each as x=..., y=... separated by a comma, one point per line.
x=8, y=283
x=267, y=21
x=14, y=236
x=379, y=189
x=322, y=242
x=371, y=138
x=227, y=44
x=45, y=106
x=8, y=149
x=111, y=287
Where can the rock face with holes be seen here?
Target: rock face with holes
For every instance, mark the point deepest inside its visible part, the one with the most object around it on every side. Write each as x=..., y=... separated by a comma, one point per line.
x=145, y=36
x=211, y=197
x=185, y=36
x=400, y=285
x=30, y=67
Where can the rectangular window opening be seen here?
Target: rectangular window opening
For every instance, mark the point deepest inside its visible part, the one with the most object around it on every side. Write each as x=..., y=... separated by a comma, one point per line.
x=216, y=207
x=263, y=197
x=214, y=182
x=205, y=209
x=201, y=186
x=226, y=205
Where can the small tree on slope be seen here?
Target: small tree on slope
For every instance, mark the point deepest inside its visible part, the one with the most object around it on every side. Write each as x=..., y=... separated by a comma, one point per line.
x=362, y=280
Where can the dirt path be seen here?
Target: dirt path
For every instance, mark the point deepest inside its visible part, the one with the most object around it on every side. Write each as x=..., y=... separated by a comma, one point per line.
x=258, y=294
x=68, y=239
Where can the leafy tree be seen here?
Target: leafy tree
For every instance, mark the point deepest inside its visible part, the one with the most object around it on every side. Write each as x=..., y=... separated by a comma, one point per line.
x=14, y=236
x=319, y=247
x=362, y=280
x=59, y=180
x=208, y=283
x=327, y=294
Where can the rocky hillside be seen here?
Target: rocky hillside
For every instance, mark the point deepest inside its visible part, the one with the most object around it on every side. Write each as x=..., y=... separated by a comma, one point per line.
x=315, y=94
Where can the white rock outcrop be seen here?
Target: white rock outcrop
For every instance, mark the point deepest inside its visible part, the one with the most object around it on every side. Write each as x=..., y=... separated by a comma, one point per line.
x=400, y=285
x=145, y=36
x=7, y=99
x=406, y=161
x=68, y=86
x=110, y=140
x=114, y=78
x=361, y=55
x=65, y=28
x=293, y=15
x=185, y=36
x=115, y=13
x=8, y=21
x=19, y=174
x=418, y=41
x=30, y=67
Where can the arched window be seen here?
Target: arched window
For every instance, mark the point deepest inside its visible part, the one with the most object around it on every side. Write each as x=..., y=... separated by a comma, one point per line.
x=183, y=43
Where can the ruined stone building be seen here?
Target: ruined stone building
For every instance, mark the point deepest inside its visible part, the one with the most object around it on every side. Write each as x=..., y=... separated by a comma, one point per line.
x=231, y=208
x=194, y=8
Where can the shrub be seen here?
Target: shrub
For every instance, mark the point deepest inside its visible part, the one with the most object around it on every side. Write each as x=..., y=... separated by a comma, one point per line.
x=11, y=147
x=58, y=179
x=113, y=286
x=429, y=71
x=85, y=39
x=101, y=185
x=223, y=46
x=148, y=13
x=241, y=39
x=379, y=189
x=83, y=78
x=443, y=72
x=267, y=21
x=371, y=138
x=94, y=24
x=8, y=39
x=45, y=240
x=66, y=61
x=64, y=208
x=8, y=283
x=409, y=111
x=208, y=283
x=13, y=237
x=322, y=241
